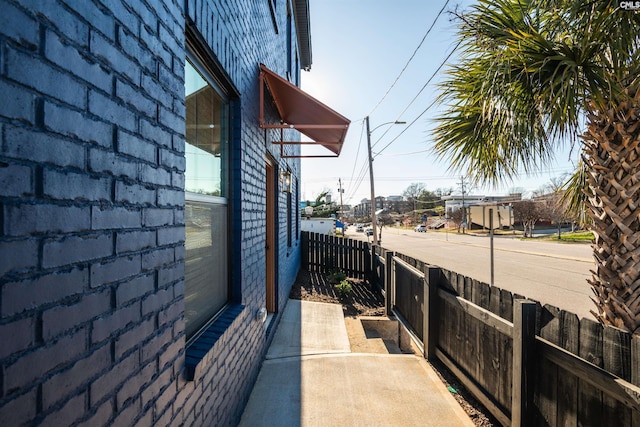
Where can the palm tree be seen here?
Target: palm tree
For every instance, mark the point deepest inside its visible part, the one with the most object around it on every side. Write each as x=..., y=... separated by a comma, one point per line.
x=532, y=74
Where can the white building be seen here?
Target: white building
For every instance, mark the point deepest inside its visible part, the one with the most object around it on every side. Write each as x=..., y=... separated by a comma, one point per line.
x=477, y=209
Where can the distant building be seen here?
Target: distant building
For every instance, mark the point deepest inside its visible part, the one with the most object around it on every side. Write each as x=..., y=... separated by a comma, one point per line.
x=477, y=209
x=398, y=204
x=363, y=209
x=319, y=225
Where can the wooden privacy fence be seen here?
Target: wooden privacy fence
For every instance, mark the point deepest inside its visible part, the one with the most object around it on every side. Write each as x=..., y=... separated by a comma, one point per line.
x=529, y=365
x=325, y=253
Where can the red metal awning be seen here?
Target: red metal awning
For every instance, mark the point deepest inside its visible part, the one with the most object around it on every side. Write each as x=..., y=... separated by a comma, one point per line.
x=298, y=110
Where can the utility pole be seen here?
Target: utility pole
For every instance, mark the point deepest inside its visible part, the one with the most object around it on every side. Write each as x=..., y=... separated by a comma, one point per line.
x=340, y=190
x=373, y=193
x=464, y=211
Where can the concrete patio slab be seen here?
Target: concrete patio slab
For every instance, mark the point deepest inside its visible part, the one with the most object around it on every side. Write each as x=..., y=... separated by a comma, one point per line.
x=308, y=328
x=325, y=385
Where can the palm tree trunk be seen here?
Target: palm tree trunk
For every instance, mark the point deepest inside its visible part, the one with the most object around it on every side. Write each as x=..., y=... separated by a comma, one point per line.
x=612, y=154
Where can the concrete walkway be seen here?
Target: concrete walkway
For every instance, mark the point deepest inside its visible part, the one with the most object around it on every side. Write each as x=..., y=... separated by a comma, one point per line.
x=311, y=378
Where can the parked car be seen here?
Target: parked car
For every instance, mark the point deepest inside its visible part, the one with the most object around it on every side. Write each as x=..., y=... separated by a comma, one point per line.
x=421, y=228
x=369, y=232
x=359, y=229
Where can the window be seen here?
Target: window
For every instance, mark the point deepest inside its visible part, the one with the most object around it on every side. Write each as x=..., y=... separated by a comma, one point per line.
x=290, y=45
x=272, y=8
x=297, y=208
x=290, y=220
x=206, y=197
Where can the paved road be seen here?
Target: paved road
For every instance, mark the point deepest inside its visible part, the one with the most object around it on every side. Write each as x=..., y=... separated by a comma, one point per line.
x=549, y=272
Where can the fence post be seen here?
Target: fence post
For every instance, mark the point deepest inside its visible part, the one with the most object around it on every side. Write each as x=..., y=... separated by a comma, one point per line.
x=430, y=312
x=524, y=339
x=373, y=264
x=388, y=282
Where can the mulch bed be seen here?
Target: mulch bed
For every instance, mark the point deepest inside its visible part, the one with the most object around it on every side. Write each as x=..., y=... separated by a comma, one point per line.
x=363, y=301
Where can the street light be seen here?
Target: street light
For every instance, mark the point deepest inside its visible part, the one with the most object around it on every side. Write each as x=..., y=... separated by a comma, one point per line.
x=308, y=210
x=373, y=193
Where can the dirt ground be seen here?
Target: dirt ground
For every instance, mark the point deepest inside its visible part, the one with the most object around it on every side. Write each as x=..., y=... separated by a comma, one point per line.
x=364, y=301
x=311, y=286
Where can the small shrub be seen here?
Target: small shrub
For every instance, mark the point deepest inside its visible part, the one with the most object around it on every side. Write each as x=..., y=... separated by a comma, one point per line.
x=337, y=276
x=344, y=289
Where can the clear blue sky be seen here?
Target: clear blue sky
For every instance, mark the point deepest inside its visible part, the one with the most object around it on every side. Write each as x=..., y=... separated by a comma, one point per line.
x=359, y=47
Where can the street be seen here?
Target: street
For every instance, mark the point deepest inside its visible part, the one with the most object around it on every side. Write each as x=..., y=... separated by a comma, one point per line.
x=549, y=272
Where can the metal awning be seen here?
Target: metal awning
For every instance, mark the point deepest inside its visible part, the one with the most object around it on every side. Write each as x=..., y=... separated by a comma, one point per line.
x=302, y=112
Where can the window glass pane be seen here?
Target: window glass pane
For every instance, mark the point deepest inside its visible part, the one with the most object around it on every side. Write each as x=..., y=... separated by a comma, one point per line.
x=206, y=136
x=289, y=220
x=206, y=278
x=206, y=213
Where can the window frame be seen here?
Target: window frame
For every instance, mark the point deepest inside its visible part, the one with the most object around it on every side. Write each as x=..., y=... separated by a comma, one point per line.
x=207, y=70
x=290, y=218
x=198, y=349
x=274, y=19
x=297, y=207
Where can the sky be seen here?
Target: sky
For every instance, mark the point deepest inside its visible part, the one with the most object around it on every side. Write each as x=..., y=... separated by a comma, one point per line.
x=359, y=49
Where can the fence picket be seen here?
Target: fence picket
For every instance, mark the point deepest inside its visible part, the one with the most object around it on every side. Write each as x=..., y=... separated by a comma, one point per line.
x=481, y=293
x=506, y=305
x=635, y=374
x=357, y=257
x=635, y=361
x=316, y=250
x=567, y=382
x=430, y=313
x=347, y=258
x=468, y=288
x=617, y=360
x=617, y=352
x=494, y=300
x=337, y=252
x=549, y=324
x=447, y=281
x=546, y=396
x=523, y=363
x=325, y=252
x=333, y=253
x=367, y=260
x=589, y=398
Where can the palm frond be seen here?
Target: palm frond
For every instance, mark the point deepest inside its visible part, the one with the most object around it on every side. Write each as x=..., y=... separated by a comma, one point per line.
x=575, y=193
x=529, y=71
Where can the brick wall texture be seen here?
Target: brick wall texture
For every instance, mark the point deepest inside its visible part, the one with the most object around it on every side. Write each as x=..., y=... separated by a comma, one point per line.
x=92, y=119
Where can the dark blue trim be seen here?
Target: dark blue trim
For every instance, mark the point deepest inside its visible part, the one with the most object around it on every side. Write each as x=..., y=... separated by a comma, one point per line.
x=197, y=350
x=235, y=261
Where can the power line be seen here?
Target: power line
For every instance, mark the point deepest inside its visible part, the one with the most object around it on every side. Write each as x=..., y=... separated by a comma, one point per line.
x=427, y=83
x=426, y=109
x=357, y=151
x=362, y=172
x=540, y=173
x=359, y=180
x=407, y=154
x=410, y=59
